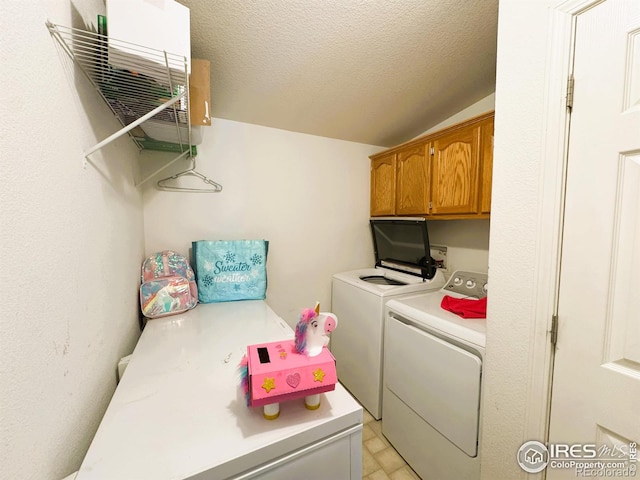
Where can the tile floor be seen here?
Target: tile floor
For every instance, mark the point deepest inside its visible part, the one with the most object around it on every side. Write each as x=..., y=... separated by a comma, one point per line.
x=380, y=461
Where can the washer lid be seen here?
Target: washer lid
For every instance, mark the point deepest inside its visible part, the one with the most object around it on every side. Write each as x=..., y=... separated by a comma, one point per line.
x=402, y=244
x=425, y=309
x=413, y=284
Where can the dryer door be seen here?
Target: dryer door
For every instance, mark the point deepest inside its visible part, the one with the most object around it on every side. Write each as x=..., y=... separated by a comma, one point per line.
x=436, y=379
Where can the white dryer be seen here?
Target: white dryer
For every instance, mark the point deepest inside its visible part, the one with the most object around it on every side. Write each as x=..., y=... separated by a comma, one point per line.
x=433, y=362
x=403, y=266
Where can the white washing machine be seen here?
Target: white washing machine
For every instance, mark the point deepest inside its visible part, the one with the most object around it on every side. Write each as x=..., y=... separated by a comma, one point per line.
x=433, y=380
x=403, y=266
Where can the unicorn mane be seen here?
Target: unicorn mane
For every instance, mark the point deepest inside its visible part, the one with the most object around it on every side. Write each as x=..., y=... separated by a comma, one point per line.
x=306, y=316
x=243, y=369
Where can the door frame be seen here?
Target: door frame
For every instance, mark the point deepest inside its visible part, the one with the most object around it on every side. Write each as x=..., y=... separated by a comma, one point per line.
x=556, y=125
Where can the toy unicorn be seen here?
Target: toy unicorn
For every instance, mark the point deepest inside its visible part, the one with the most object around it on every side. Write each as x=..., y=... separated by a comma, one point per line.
x=313, y=329
x=280, y=371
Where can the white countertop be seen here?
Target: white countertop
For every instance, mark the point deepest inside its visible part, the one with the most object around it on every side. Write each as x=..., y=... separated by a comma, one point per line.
x=179, y=410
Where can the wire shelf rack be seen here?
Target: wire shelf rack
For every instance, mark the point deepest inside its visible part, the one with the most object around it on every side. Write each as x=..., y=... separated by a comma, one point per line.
x=142, y=86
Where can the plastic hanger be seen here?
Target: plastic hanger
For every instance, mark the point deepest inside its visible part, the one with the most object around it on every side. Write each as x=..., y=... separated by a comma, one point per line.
x=165, y=183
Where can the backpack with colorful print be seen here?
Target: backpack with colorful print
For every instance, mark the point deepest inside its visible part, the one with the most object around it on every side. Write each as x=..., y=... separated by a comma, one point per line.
x=168, y=285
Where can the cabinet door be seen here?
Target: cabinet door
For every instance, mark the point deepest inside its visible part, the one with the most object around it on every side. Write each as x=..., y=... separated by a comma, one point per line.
x=412, y=186
x=455, y=171
x=383, y=185
x=310, y=461
x=487, y=165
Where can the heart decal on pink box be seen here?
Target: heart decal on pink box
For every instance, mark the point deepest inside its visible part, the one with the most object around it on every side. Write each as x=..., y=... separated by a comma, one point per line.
x=293, y=380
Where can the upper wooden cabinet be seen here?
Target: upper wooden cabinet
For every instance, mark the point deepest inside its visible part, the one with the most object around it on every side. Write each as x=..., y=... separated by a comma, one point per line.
x=454, y=173
x=487, y=165
x=443, y=175
x=412, y=182
x=383, y=185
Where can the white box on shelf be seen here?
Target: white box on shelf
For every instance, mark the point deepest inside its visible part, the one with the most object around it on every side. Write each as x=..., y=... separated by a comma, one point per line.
x=149, y=27
x=167, y=132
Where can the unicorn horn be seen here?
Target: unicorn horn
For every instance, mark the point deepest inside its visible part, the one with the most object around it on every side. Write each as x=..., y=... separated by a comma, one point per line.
x=317, y=308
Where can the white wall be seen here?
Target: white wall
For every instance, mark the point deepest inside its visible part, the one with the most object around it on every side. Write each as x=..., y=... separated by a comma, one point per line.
x=307, y=195
x=71, y=241
x=523, y=29
x=467, y=243
x=483, y=105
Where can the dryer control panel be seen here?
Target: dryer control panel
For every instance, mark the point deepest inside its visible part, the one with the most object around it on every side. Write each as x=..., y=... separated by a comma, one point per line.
x=468, y=284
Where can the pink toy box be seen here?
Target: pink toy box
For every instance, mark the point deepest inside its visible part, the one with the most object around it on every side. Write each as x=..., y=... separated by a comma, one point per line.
x=280, y=371
x=277, y=372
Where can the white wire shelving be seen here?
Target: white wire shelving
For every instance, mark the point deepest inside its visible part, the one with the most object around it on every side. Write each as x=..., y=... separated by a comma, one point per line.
x=139, y=84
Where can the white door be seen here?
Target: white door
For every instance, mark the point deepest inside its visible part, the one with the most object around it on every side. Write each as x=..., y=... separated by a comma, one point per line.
x=596, y=380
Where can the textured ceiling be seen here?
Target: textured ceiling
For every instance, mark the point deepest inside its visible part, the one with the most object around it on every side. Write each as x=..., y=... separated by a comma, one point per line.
x=371, y=71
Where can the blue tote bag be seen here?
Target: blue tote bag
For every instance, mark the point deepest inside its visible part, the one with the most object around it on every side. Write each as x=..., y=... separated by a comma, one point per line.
x=228, y=270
